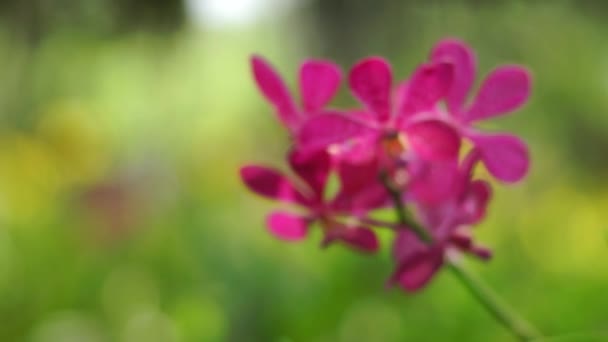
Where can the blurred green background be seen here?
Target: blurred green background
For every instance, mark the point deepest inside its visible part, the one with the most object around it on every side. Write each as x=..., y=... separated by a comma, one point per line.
x=123, y=125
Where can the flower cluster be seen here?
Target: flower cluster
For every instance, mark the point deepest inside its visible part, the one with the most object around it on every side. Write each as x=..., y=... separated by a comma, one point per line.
x=401, y=148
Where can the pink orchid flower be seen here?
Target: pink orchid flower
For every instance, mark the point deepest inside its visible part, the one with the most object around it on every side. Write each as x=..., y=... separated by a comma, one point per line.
x=386, y=126
x=504, y=90
x=356, y=196
x=318, y=79
x=448, y=222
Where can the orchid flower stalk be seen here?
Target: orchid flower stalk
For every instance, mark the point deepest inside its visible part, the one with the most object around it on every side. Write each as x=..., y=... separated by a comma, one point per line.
x=402, y=148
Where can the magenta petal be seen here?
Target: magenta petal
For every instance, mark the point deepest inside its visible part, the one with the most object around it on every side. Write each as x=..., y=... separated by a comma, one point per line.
x=312, y=167
x=481, y=252
x=418, y=271
x=463, y=59
x=359, y=238
x=504, y=90
x=372, y=197
x=356, y=176
x=468, y=164
x=475, y=201
x=461, y=240
x=286, y=226
x=464, y=242
x=433, y=182
x=429, y=84
x=363, y=239
x=362, y=149
x=360, y=189
x=325, y=129
x=433, y=140
x=272, y=87
x=406, y=244
x=271, y=184
x=371, y=80
x=416, y=262
x=505, y=156
x=400, y=97
x=319, y=81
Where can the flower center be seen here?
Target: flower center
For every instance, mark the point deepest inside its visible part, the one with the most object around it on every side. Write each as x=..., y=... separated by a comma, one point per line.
x=394, y=144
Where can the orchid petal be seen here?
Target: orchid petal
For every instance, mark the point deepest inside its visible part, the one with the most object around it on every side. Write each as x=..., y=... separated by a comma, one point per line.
x=468, y=164
x=505, y=156
x=461, y=239
x=464, y=242
x=359, y=238
x=463, y=59
x=370, y=81
x=319, y=81
x=286, y=226
x=313, y=168
x=433, y=182
x=475, y=202
x=433, y=140
x=416, y=263
x=415, y=273
x=359, y=150
x=465, y=172
x=271, y=184
x=363, y=239
x=272, y=87
x=356, y=176
x=406, y=243
x=372, y=197
x=504, y=90
x=360, y=190
x=330, y=128
x=481, y=252
x=429, y=84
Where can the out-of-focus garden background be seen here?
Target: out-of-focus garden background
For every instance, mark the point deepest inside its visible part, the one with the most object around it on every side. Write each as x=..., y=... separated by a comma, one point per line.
x=123, y=124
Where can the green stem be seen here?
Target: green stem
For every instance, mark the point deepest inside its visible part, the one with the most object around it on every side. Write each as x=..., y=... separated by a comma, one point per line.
x=501, y=312
x=402, y=215
x=497, y=307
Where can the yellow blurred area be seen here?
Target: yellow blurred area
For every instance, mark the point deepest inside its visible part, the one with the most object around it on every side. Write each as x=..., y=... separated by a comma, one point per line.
x=36, y=168
x=582, y=248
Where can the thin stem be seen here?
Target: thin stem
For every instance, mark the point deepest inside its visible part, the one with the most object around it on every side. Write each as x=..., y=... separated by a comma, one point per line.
x=402, y=215
x=501, y=312
x=496, y=306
